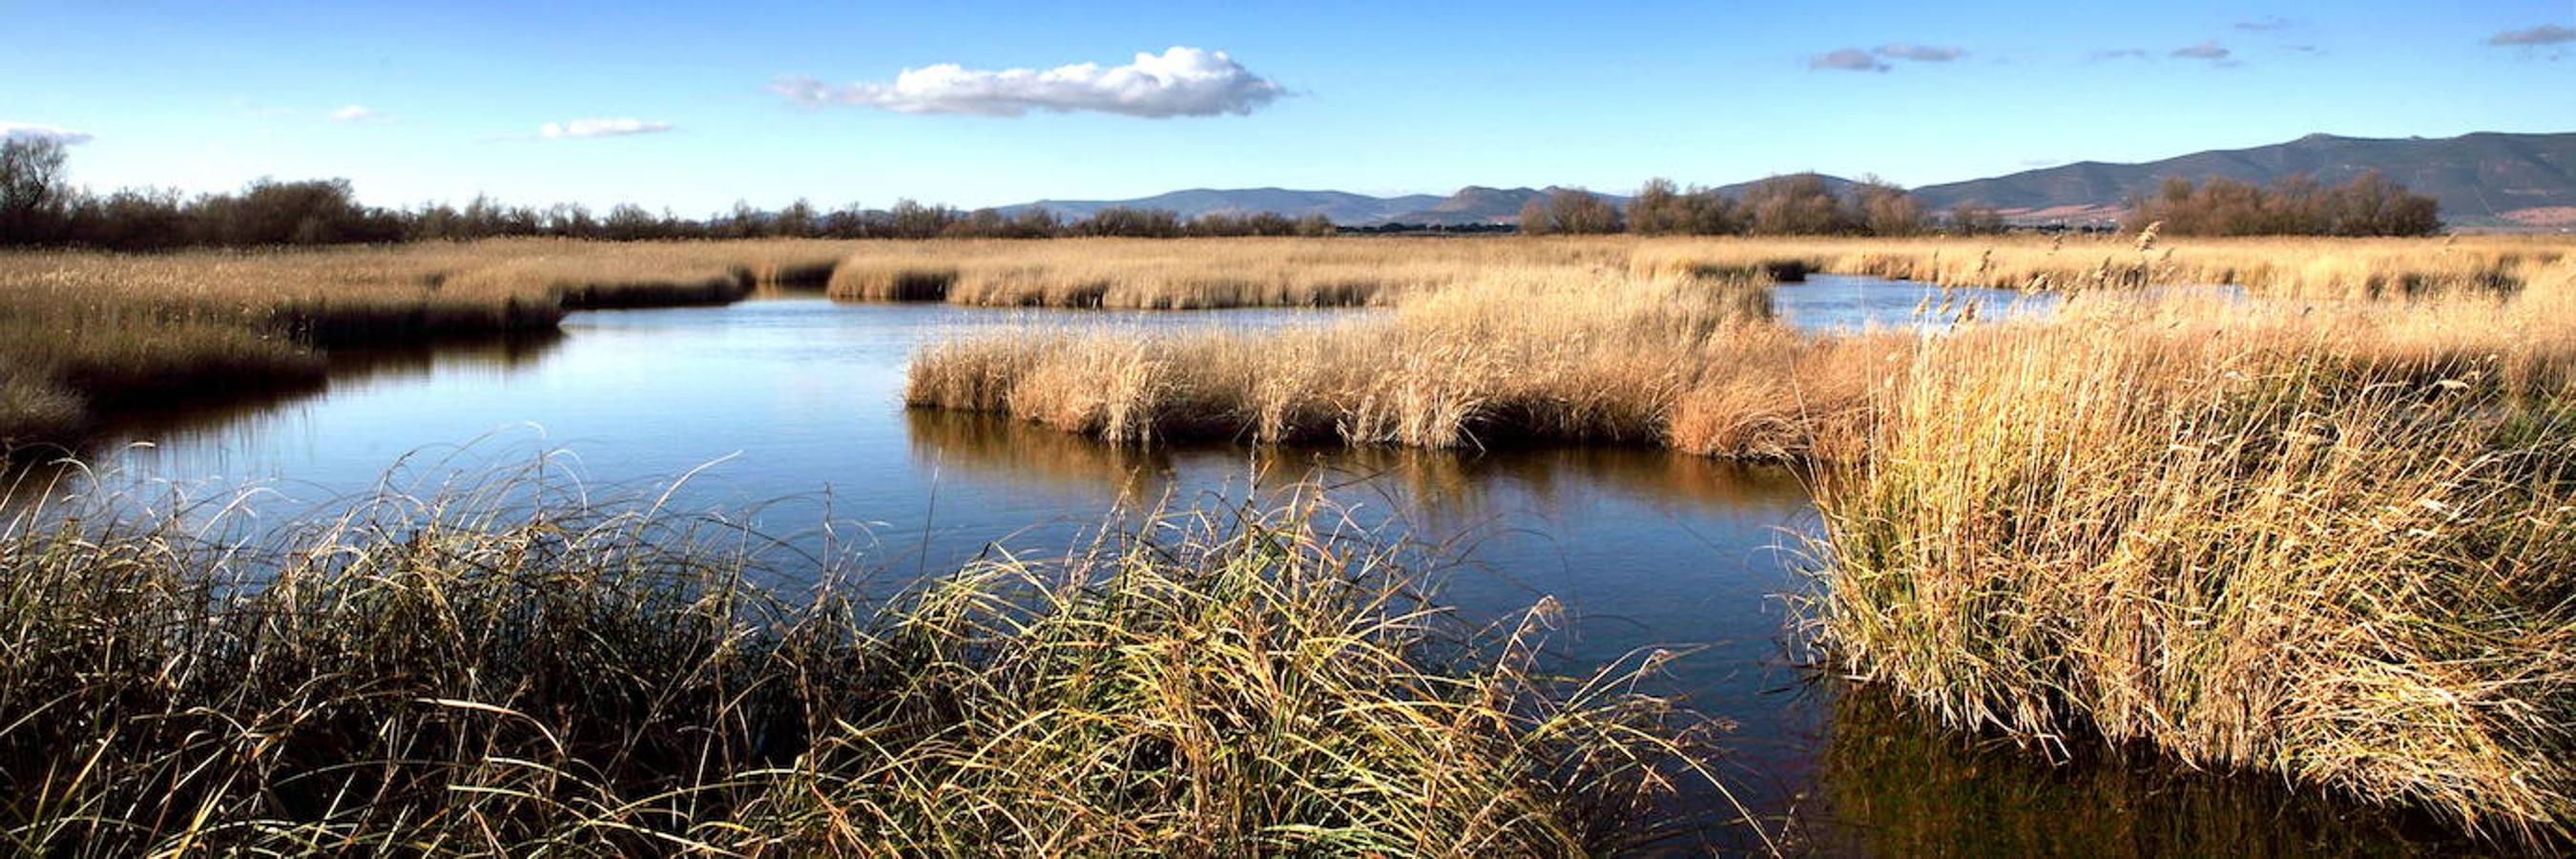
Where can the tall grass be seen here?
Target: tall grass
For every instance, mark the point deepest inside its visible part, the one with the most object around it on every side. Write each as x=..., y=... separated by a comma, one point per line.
x=2328, y=543
x=511, y=671
x=1516, y=355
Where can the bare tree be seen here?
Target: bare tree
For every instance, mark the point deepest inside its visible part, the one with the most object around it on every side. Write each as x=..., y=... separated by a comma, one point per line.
x=33, y=192
x=1535, y=219
x=1581, y=211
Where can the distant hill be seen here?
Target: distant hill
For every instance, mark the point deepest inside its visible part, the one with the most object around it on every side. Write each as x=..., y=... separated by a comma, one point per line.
x=1836, y=184
x=2482, y=180
x=1476, y=204
x=1342, y=207
x=2494, y=180
x=1471, y=205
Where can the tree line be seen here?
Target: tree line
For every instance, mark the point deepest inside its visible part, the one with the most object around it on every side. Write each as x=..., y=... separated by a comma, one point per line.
x=39, y=206
x=1807, y=204
x=1804, y=204
x=2370, y=205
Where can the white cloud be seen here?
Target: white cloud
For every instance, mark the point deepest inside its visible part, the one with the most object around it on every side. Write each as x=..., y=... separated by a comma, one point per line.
x=356, y=113
x=32, y=131
x=2266, y=23
x=1178, y=82
x=1921, y=53
x=618, y=127
x=1846, y=59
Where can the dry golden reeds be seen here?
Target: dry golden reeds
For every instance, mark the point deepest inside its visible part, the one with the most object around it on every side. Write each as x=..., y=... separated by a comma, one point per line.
x=514, y=672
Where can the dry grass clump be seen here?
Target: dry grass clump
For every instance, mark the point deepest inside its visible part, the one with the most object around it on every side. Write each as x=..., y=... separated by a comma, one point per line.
x=1518, y=355
x=2327, y=542
x=515, y=673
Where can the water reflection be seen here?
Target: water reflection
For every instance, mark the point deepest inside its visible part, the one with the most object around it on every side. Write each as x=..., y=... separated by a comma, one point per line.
x=1894, y=784
x=992, y=447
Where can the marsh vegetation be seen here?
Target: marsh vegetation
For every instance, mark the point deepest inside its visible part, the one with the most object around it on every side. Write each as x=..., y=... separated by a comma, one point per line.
x=2309, y=526
x=2311, y=530
x=522, y=668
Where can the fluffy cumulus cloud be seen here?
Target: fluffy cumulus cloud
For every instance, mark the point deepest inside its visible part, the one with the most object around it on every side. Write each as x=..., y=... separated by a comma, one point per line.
x=2545, y=34
x=1846, y=60
x=1921, y=53
x=31, y=131
x=618, y=127
x=356, y=113
x=1177, y=82
x=2203, y=51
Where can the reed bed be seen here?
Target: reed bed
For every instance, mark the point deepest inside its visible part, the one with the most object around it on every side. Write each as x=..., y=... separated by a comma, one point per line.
x=2299, y=268
x=1151, y=274
x=513, y=671
x=1518, y=355
x=87, y=334
x=225, y=322
x=1272, y=272
x=2326, y=542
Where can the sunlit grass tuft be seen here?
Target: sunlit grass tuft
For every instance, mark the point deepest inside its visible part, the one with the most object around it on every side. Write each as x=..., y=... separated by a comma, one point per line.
x=2328, y=543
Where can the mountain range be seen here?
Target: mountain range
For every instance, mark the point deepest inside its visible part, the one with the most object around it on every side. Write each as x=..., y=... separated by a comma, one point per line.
x=2484, y=180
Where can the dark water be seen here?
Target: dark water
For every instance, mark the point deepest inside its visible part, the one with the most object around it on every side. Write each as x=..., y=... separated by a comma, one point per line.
x=794, y=402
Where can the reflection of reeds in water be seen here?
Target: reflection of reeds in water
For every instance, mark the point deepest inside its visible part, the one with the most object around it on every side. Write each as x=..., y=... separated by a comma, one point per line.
x=1457, y=487
x=1014, y=451
x=245, y=412
x=516, y=671
x=1427, y=486
x=1892, y=782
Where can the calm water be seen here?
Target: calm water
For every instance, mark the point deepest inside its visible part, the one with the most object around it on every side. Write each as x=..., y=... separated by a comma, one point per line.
x=794, y=402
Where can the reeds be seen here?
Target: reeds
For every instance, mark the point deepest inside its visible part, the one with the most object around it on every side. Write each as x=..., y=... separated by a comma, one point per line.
x=510, y=671
x=2302, y=268
x=2326, y=542
x=57, y=307
x=1190, y=274
x=1515, y=356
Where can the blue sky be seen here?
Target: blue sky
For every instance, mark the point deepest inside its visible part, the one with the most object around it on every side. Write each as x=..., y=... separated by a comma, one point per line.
x=1373, y=97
